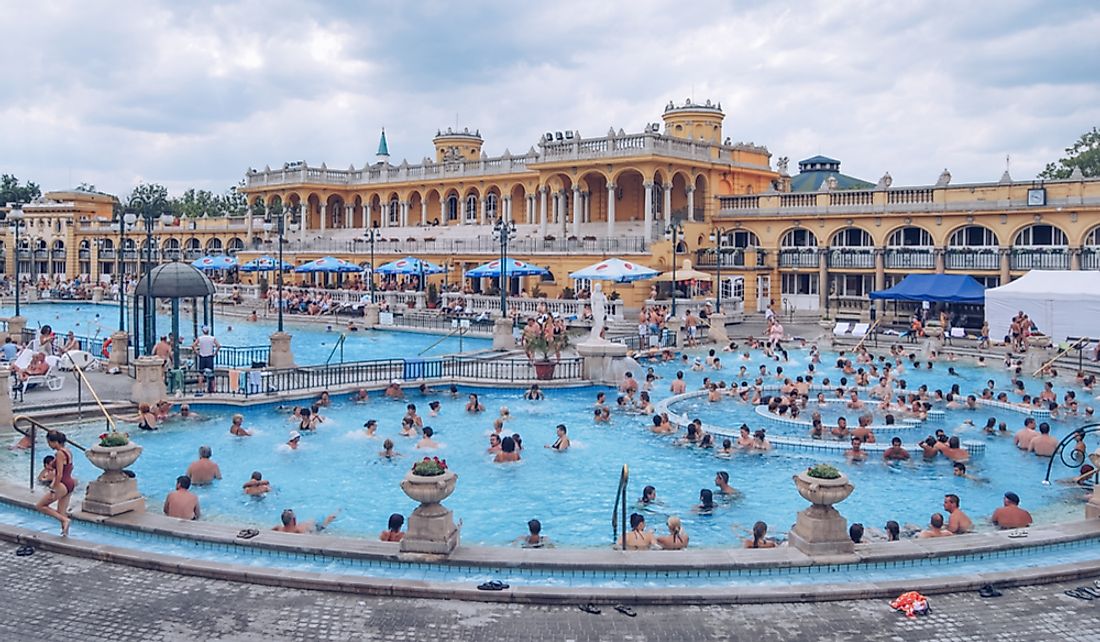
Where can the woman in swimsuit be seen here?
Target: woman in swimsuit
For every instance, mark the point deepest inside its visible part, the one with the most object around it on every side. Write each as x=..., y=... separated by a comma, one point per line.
x=638, y=538
x=63, y=482
x=237, y=428
x=562, y=443
x=146, y=418
x=307, y=421
x=759, y=537
x=676, y=538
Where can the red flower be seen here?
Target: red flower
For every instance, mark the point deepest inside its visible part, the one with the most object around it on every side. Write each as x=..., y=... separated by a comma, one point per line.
x=103, y=436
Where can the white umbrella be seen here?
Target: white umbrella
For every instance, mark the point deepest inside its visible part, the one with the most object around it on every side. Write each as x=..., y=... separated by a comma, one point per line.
x=616, y=270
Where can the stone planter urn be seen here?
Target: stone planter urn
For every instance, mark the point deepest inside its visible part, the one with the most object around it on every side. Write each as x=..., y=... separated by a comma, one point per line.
x=114, y=492
x=432, y=528
x=820, y=529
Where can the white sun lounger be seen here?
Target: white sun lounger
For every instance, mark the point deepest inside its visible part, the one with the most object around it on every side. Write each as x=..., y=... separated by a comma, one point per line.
x=52, y=380
x=842, y=327
x=860, y=329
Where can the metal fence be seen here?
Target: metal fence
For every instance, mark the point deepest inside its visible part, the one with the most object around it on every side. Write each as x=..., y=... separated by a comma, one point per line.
x=637, y=342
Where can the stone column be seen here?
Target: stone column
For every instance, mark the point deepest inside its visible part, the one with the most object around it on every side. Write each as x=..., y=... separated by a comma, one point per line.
x=423, y=211
x=324, y=223
x=370, y=315
x=563, y=212
x=280, y=355
x=667, y=189
x=822, y=280
x=119, y=350
x=404, y=213
x=484, y=216
x=97, y=294
x=937, y=253
x=1006, y=266
x=648, y=232
x=880, y=276
x=542, y=211
x=6, y=415
x=149, y=386
x=16, y=325
x=506, y=211
x=717, y=331
x=442, y=210
x=1074, y=258
x=691, y=202
x=578, y=211
x=610, y=210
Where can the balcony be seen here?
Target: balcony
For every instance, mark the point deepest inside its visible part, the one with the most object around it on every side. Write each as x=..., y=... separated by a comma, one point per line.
x=986, y=258
x=731, y=258
x=1039, y=259
x=84, y=255
x=24, y=255
x=805, y=258
x=41, y=255
x=57, y=255
x=172, y=255
x=911, y=258
x=192, y=254
x=859, y=258
x=1090, y=258
x=129, y=255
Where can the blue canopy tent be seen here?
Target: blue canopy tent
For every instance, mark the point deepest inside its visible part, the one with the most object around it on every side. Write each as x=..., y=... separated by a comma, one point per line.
x=215, y=263
x=512, y=267
x=329, y=265
x=265, y=264
x=412, y=266
x=935, y=288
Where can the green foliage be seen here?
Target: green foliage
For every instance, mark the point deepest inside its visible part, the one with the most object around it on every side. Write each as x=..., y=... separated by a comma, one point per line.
x=85, y=187
x=823, y=471
x=430, y=467
x=113, y=439
x=12, y=192
x=547, y=346
x=1085, y=154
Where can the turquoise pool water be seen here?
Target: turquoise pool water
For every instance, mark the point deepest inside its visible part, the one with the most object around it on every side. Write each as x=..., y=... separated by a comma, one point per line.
x=312, y=343
x=1033, y=557
x=572, y=493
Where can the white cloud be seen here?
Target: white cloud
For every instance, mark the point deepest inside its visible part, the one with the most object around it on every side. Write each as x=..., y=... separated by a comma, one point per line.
x=193, y=94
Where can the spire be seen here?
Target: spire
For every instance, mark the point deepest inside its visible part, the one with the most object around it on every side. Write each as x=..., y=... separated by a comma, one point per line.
x=383, y=148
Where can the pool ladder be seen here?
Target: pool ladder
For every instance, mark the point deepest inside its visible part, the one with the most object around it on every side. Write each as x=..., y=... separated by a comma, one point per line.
x=620, y=508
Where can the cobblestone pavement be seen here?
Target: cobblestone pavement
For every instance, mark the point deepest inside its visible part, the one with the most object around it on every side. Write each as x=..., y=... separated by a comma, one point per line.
x=55, y=597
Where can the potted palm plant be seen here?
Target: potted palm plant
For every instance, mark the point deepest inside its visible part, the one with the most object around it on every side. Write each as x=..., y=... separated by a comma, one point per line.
x=548, y=348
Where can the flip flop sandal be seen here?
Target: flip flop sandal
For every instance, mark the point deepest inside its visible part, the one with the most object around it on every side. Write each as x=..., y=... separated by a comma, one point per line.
x=626, y=610
x=989, y=591
x=1018, y=533
x=247, y=533
x=24, y=551
x=590, y=608
x=493, y=585
x=1078, y=594
x=1089, y=590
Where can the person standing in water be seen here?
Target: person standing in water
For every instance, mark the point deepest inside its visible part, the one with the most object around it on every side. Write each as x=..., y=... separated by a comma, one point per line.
x=63, y=483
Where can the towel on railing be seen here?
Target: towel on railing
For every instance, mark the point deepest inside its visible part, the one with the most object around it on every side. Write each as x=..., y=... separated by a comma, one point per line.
x=234, y=380
x=255, y=381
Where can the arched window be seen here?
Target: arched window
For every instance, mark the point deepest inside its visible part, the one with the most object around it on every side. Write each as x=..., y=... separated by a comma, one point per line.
x=1040, y=235
x=973, y=236
x=214, y=246
x=172, y=244
x=852, y=237
x=235, y=245
x=798, y=237
x=452, y=208
x=910, y=237
x=59, y=245
x=491, y=207
x=193, y=244
x=1093, y=237
x=471, y=209
x=394, y=212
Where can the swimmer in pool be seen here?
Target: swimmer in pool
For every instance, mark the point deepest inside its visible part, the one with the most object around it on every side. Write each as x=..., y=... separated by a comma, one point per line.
x=562, y=443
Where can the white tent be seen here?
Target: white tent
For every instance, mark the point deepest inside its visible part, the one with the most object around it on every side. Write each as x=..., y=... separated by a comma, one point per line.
x=1061, y=303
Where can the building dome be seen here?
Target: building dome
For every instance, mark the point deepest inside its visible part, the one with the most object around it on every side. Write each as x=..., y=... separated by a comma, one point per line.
x=175, y=281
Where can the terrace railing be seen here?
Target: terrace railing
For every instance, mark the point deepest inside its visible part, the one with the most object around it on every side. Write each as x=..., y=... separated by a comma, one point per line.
x=527, y=306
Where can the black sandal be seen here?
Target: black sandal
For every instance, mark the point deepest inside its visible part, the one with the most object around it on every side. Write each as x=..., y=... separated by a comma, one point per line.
x=25, y=550
x=1078, y=594
x=590, y=608
x=989, y=591
x=626, y=610
x=493, y=585
x=247, y=533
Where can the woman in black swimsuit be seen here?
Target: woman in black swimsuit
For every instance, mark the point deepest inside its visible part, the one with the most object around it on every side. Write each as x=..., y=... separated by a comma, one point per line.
x=562, y=444
x=63, y=483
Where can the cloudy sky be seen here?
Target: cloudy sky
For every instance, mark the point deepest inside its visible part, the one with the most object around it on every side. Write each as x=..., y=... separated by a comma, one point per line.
x=191, y=94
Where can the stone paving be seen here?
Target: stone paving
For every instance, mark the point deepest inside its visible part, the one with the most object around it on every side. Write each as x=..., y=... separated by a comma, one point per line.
x=55, y=597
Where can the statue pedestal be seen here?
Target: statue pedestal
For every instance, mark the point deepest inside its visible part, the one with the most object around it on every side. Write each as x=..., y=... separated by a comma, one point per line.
x=502, y=334
x=820, y=529
x=6, y=416
x=149, y=386
x=673, y=326
x=16, y=325
x=280, y=355
x=717, y=331
x=370, y=315
x=113, y=493
x=119, y=350
x=432, y=529
x=605, y=361
x=97, y=294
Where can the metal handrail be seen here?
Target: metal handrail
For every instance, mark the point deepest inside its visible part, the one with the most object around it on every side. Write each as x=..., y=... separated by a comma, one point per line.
x=1078, y=345
x=339, y=344
x=620, y=505
x=1060, y=451
x=99, y=402
x=460, y=331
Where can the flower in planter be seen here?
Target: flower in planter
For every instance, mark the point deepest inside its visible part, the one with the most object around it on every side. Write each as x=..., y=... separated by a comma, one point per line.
x=823, y=471
x=430, y=467
x=113, y=439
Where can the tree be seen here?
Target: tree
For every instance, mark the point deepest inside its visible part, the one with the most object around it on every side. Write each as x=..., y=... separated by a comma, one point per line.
x=85, y=187
x=151, y=194
x=12, y=192
x=1084, y=154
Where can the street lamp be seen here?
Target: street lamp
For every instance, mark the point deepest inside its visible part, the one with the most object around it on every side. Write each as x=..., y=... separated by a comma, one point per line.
x=673, y=231
x=717, y=237
x=150, y=211
x=16, y=216
x=125, y=221
x=277, y=221
x=503, y=231
x=371, y=235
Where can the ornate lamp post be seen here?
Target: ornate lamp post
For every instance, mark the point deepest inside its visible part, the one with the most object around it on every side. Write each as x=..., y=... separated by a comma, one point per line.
x=279, y=355
x=125, y=221
x=150, y=211
x=674, y=231
x=371, y=235
x=503, y=231
x=16, y=217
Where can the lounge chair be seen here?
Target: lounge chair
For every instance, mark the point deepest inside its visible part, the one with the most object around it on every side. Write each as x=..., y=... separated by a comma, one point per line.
x=52, y=379
x=860, y=329
x=77, y=359
x=842, y=327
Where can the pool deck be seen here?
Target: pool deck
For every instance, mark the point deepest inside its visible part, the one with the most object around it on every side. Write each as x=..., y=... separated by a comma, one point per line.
x=101, y=601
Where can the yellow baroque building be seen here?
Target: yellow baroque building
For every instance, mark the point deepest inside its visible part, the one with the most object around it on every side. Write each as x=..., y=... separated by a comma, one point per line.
x=577, y=199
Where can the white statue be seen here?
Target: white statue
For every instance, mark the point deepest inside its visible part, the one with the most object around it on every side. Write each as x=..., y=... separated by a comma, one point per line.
x=598, y=303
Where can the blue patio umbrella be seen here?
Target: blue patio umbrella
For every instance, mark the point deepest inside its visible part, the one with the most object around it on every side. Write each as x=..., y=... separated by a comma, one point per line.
x=265, y=264
x=329, y=264
x=512, y=268
x=214, y=263
x=410, y=265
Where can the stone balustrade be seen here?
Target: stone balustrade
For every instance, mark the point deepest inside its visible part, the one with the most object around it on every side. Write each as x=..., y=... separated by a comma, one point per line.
x=527, y=306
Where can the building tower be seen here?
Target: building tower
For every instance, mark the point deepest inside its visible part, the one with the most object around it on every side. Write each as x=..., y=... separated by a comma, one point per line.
x=694, y=121
x=383, y=153
x=452, y=146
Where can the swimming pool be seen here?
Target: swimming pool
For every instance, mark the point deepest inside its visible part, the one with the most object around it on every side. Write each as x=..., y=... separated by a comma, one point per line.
x=572, y=493
x=312, y=343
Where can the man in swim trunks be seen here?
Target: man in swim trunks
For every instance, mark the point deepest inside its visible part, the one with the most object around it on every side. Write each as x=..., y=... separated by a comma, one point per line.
x=203, y=470
x=1011, y=515
x=935, y=528
x=959, y=522
x=290, y=523
x=182, y=503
